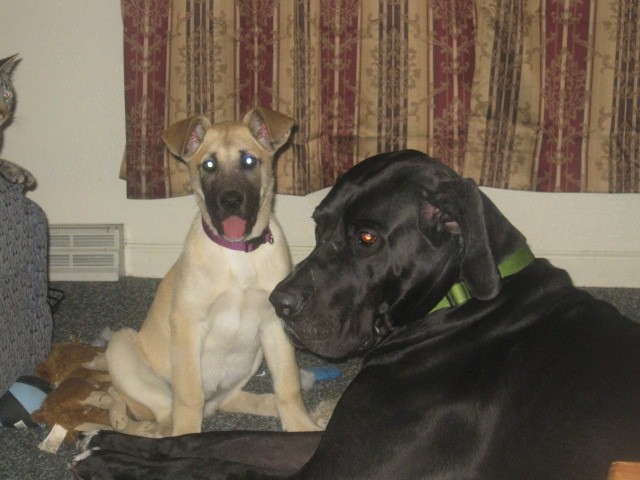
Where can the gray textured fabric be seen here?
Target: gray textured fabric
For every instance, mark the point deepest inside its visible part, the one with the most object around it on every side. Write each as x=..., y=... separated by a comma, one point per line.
x=26, y=325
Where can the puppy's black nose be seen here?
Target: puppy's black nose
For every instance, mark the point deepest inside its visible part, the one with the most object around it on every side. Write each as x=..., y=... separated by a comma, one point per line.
x=287, y=304
x=231, y=200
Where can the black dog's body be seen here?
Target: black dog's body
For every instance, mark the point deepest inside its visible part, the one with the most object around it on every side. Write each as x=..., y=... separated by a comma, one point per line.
x=529, y=379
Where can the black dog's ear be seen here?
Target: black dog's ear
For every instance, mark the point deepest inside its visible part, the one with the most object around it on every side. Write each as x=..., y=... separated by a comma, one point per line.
x=458, y=205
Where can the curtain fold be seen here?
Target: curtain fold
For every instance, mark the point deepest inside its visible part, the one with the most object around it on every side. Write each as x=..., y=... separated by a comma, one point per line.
x=516, y=94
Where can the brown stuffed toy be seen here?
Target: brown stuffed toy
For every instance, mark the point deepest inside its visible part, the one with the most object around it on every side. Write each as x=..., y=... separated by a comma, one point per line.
x=80, y=400
x=83, y=398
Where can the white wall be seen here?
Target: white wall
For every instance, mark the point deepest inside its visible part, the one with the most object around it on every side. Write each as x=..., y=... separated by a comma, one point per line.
x=69, y=131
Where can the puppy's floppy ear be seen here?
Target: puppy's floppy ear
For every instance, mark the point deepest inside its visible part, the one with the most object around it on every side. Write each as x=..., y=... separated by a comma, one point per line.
x=270, y=128
x=184, y=137
x=461, y=201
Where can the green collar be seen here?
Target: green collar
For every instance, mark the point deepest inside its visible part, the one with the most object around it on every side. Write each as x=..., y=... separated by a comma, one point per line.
x=458, y=294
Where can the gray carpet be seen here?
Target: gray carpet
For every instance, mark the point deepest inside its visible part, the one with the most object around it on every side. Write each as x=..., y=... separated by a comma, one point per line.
x=89, y=307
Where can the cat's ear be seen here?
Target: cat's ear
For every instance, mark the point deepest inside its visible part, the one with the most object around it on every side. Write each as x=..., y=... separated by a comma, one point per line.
x=184, y=137
x=7, y=64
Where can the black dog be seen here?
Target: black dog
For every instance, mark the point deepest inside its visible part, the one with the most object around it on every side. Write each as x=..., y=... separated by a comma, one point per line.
x=481, y=362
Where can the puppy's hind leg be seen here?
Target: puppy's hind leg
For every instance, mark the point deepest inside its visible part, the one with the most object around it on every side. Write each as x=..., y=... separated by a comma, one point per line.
x=121, y=422
x=138, y=389
x=251, y=403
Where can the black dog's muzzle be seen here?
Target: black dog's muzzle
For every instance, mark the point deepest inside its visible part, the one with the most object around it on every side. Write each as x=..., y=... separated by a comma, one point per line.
x=287, y=304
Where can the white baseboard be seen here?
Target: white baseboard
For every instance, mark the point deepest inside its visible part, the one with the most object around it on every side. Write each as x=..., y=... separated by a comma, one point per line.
x=299, y=253
x=587, y=269
x=598, y=269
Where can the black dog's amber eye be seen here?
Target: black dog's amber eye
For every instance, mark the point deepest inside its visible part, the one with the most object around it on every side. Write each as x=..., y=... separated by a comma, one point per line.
x=367, y=239
x=210, y=164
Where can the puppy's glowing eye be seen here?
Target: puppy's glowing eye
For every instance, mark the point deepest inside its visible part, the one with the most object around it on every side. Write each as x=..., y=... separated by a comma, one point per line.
x=367, y=239
x=210, y=164
x=248, y=161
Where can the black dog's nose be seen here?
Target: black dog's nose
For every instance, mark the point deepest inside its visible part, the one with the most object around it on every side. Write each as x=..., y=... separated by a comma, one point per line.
x=231, y=200
x=286, y=304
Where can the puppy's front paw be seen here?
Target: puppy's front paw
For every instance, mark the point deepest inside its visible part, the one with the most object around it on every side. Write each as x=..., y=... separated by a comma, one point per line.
x=323, y=411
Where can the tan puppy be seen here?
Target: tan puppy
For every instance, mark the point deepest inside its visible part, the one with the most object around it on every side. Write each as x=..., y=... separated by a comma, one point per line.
x=211, y=321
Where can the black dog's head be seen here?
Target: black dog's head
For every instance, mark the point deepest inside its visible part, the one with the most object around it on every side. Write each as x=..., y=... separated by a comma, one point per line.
x=392, y=236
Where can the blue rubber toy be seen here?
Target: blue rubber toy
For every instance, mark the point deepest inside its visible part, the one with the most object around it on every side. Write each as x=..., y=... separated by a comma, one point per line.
x=23, y=398
x=318, y=373
x=322, y=373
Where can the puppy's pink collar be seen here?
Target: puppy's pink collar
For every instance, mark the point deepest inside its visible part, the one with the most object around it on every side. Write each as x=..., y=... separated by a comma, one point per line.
x=242, y=246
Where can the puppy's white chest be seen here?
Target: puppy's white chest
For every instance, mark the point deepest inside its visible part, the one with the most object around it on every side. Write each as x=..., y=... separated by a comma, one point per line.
x=242, y=274
x=231, y=350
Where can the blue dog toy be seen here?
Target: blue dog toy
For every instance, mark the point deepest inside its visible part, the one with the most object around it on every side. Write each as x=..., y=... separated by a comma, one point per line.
x=320, y=373
x=22, y=399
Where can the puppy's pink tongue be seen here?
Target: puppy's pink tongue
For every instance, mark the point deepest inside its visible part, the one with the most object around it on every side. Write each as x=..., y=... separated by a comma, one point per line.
x=234, y=227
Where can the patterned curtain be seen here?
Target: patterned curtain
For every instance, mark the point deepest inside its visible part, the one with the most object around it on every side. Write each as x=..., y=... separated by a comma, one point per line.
x=556, y=96
x=522, y=94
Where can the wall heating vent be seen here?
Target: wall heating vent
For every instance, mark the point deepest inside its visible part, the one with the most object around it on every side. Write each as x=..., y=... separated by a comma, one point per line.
x=86, y=252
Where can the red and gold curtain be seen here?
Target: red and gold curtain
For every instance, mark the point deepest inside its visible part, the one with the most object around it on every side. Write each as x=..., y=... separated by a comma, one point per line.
x=556, y=96
x=524, y=94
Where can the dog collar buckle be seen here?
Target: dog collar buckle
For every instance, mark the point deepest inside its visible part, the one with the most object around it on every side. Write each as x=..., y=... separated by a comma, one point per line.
x=246, y=246
x=254, y=243
x=458, y=294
